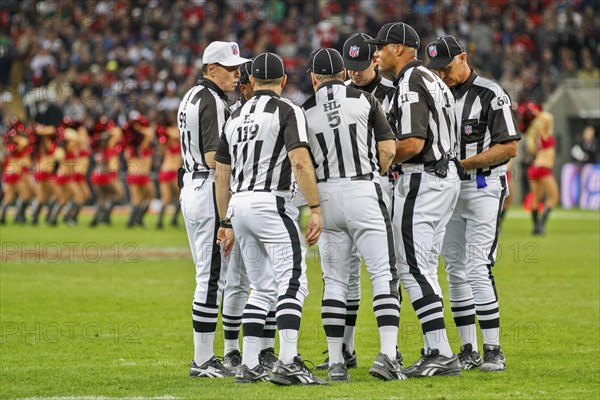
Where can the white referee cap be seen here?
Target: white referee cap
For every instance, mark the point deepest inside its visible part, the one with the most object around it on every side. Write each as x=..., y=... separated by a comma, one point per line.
x=224, y=53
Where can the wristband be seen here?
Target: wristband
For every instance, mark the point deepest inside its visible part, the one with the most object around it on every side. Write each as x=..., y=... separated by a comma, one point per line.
x=314, y=206
x=226, y=223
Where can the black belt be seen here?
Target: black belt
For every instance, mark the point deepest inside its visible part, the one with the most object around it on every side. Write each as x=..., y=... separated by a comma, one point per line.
x=365, y=177
x=200, y=175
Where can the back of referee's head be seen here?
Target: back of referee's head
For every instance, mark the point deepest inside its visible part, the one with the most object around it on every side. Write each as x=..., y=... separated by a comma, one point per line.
x=325, y=65
x=268, y=72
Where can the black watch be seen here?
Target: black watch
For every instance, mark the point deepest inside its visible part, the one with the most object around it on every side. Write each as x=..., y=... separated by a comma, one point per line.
x=226, y=222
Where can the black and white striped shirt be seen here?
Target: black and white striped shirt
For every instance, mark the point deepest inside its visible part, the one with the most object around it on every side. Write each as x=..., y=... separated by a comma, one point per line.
x=344, y=126
x=256, y=141
x=383, y=89
x=484, y=114
x=423, y=107
x=201, y=116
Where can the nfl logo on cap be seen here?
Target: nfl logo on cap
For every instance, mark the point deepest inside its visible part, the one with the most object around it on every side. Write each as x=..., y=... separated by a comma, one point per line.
x=354, y=50
x=432, y=50
x=234, y=49
x=468, y=129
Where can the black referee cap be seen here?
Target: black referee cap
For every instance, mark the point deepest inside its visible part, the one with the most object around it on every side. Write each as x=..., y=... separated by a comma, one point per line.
x=442, y=50
x=358, y=54
x=267, y=66
x=397, y=33
x=245, y=72
x=325, y=62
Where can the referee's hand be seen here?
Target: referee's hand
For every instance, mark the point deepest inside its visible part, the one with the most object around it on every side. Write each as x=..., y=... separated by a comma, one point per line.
x=315, y=226
x=225, y=239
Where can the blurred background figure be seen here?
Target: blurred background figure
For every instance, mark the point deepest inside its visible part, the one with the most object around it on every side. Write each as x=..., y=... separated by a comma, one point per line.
x=107, y=145
x=541, y=143
x=585, y=151
x=170, y=151
x=138, y=154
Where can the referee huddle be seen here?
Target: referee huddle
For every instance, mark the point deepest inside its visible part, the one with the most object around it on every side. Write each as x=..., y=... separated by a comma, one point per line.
x=398, y=164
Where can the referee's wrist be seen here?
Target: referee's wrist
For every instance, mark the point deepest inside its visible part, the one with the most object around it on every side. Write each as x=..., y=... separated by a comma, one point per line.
x=225, y=223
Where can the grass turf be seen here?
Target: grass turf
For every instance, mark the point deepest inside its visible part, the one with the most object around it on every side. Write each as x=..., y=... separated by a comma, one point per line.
x=105, y=312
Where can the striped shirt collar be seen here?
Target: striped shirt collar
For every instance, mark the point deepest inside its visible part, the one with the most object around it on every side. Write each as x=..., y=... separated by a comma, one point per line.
x=459, y=90
x=411, y=64
x=330, y=83
x=213, y=86
x=265, y=93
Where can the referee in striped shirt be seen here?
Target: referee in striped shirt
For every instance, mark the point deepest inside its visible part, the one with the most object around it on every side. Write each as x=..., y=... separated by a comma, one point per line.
x=427, y=188
x=352, y=142
x=264, y=145
x=489, y=137
x=201, y=116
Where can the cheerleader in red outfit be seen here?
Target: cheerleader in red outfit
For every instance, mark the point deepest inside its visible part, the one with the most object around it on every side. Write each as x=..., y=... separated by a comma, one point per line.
x=167, y=176
x=45, y=163
x=138, y=153
x=106, y=147
x=68, y=174
x=541, y=142
x=15, y=169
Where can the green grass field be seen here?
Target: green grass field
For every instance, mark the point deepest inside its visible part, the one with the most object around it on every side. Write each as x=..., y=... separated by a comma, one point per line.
x=105, y=313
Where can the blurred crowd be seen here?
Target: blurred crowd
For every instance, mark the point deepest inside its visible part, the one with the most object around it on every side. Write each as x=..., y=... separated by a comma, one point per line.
x=97, y=79
x=108, y=58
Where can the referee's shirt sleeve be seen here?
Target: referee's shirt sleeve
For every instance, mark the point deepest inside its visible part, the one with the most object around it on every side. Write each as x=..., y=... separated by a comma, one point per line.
x=413, y=111
x=501, y=120
x=379, y=122
x=222, y=154
x=211, y=121
x=294, y=126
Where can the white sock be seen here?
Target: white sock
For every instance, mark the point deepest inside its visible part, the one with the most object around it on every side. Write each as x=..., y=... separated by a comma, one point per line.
x=334, y=346
x=425, y=344
x=349, y=338
x=230, y=345
x=251, y=350
x=203, y=347
x=491, y=336
x=288, y=345
x=439, y=340
x=265, y=343
x=468, y=334
x=388, y=336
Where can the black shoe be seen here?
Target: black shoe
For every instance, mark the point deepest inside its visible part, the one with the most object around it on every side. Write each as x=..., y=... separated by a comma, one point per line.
x=232, y=360
x=468, y=358
x=338, y=373
x=386, y=369
x=294, y=373
x=349, y=358
x=212, y=368
x=493, y=359
x=433, y=363
x=247, y=375
x=267, y=358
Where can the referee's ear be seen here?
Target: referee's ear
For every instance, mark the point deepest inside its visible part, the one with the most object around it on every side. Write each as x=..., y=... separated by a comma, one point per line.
x=284, y=81
x=345, y=74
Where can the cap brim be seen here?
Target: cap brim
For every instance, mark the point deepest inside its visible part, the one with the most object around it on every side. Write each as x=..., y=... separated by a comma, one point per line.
x=233, y=61
x=439, y=62
x=357, y=65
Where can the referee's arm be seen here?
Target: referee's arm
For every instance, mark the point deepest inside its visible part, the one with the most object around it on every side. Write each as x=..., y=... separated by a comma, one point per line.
x=503, y=127
x=222, y=176
x=412, y=124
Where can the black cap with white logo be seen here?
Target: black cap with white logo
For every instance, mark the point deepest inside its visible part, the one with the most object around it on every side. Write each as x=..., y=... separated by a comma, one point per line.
x=267, y=66
x=397, y=33
x=442, y=50
x=325, y=62
x=358, y=54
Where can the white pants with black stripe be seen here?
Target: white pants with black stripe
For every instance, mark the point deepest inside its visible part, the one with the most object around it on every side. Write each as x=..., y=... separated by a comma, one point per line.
x=272, y=247
x=470, y=247
x=423, y=204
x=199, y=211
x=356, y=218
